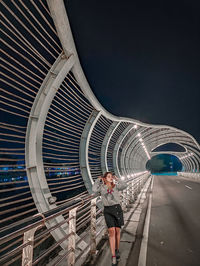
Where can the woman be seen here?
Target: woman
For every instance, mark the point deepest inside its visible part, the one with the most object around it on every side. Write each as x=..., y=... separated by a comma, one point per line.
x=109, y=191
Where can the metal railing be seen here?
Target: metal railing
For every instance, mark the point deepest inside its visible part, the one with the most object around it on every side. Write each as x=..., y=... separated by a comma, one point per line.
x=195, y=176
x=55, y=137
x=79, y=213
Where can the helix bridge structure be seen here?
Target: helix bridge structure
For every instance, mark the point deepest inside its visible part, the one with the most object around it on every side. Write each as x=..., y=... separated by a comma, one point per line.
x=57, y=139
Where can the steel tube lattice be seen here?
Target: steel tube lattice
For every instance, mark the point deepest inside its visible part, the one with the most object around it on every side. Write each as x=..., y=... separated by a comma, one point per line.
x=56, y=138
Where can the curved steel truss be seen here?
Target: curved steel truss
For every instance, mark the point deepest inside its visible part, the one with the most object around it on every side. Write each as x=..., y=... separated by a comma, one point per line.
x=56, y=137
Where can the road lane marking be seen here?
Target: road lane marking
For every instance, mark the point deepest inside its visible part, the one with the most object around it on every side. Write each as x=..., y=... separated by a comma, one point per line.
x=188, y=187
x=177, y=181
x=143, y=248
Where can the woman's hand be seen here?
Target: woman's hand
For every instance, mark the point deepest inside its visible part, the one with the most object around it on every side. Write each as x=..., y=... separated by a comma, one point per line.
x=101, y=178
x=114, y=177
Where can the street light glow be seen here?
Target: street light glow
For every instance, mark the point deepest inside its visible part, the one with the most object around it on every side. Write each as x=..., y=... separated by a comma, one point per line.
x=187, y=155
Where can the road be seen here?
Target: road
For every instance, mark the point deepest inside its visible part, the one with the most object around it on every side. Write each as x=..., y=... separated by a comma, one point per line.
x=174, y=230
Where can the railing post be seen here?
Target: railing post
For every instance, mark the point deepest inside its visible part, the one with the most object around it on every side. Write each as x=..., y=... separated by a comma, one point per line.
x=132, y=192
x=27, y=253
x=135, y=188
x=140, y=183
x=122, y=200
x=72, y=237
x=128, y=194
x=93, y=228
x=124, y=195
x=138, y=186
x=144, y=180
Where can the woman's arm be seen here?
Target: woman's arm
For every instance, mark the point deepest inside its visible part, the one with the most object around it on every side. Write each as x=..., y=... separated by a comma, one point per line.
x=122, y=184
x=96, y=186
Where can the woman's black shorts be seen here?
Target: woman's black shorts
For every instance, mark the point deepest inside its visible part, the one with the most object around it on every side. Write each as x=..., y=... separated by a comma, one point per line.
x=113, y=216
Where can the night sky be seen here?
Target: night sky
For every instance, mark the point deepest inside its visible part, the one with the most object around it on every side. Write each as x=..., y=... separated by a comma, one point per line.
x=142, y=58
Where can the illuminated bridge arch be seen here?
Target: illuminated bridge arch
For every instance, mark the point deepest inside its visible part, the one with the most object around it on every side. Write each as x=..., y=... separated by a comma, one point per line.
x=53, y=129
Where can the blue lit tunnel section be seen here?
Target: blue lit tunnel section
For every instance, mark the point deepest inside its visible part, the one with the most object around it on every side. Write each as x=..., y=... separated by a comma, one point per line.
x=164, y=163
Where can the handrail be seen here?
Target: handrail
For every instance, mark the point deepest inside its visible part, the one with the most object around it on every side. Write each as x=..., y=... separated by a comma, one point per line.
x=29, y=226
x=191, y=175
x=38, y=219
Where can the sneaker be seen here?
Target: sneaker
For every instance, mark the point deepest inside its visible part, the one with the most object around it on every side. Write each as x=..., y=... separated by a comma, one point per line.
x=117, y=254
x=114, y=261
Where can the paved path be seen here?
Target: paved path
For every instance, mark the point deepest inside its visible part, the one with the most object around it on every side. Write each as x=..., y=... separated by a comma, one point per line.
x=174, y=233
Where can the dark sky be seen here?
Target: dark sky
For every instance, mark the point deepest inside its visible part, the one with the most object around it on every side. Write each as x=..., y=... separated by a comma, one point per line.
x=142, y=58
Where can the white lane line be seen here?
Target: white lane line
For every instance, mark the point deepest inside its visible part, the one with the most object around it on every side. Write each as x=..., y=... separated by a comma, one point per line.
x=143, y=248
x=188, y=187
x=177, y=181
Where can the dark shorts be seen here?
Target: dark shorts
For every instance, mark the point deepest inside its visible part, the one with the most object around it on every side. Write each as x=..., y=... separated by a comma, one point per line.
x=113, y=216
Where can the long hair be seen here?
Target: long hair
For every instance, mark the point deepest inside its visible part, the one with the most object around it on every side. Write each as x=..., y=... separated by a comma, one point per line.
x=105, y=181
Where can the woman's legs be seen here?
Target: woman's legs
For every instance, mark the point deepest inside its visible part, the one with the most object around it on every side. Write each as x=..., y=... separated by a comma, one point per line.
x=112, y=239
x=117, y=237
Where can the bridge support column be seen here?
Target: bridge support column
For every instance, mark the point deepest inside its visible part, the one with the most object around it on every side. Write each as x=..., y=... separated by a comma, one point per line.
x=93, y=228
x=34, y=137
x=116, y=150
x=72, y=237
x=83, y=151
x=104, y=147
x=27, y=253
x=124, y=158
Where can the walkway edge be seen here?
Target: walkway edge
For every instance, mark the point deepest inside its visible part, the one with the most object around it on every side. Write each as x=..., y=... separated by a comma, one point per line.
x=143, y=248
